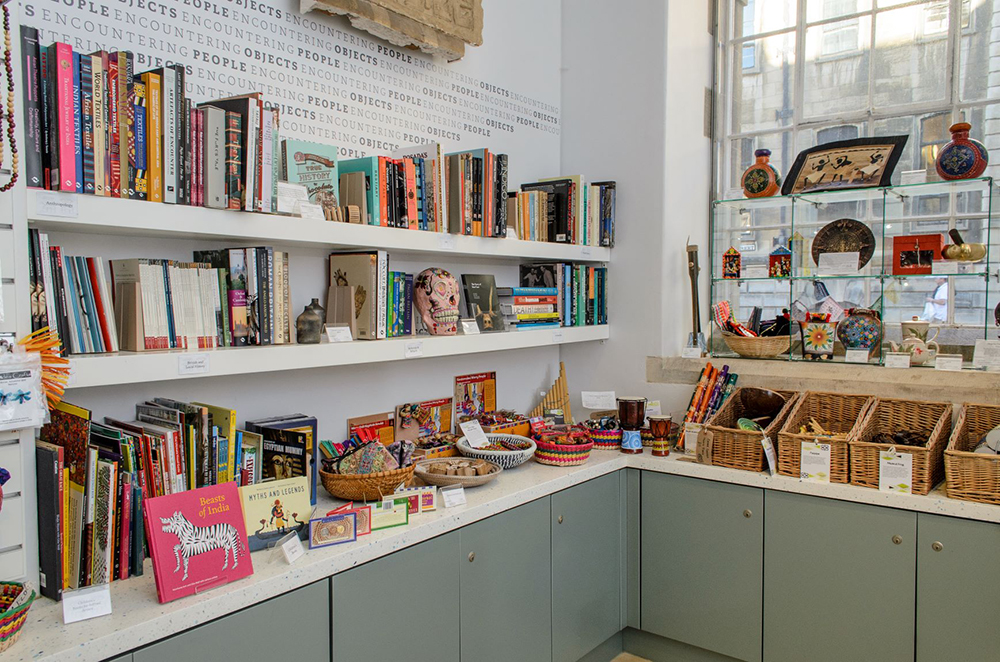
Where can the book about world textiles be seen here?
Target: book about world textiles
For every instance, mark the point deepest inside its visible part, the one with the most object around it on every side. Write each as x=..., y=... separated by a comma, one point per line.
x=273, y=510
x=197, y=540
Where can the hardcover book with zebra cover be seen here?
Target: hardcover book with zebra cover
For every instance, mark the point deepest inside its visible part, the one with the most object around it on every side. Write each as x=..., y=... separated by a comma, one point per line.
x=198, y=540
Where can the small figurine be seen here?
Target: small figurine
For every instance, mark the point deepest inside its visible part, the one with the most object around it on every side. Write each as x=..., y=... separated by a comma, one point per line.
x=731, y=264
x=779, y=263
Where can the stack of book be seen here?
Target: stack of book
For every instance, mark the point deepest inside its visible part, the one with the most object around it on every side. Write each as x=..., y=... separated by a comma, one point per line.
x=565, y=210
x=289, y=448
x=527, y=308
x=399, y=305
x=477, y=193
x=581, y=290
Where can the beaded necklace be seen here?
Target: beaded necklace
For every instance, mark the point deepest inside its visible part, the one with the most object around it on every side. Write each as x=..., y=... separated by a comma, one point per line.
x=8, y=113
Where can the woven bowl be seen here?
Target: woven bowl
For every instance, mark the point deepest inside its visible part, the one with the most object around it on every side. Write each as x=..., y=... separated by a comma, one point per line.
x=465, y=481
x=365, y=487
x=12, y=620
x=506, y=459
x=610, y=440
x=563, y=455
x=757, y=348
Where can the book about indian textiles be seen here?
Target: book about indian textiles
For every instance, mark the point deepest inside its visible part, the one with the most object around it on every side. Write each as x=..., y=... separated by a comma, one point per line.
x=274, y=509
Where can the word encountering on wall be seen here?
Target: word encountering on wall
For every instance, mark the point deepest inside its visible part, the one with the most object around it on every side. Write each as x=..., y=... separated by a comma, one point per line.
x=331, y=83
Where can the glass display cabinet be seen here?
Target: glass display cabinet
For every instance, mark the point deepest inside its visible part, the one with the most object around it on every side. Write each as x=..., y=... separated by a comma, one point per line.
x=795, y=255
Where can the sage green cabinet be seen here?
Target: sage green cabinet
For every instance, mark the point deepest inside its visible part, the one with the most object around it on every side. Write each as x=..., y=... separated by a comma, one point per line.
x=958, y=589
x=839, y=581
x=506, y=589
x=586, y=567
x=400, y=607
x=297, y=621
x=702, y=558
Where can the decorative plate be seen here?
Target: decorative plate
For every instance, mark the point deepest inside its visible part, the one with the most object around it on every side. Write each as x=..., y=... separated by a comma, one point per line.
x=845, y=235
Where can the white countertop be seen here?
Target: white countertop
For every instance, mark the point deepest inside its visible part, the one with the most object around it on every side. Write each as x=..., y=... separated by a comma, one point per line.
x=139, y=619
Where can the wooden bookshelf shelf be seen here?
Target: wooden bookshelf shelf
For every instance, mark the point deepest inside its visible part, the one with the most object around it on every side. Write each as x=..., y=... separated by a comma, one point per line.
x=95, y=215
x=155, y=366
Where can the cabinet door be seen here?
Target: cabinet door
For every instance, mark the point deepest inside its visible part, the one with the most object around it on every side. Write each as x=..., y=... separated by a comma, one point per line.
x=702, y=545
x=124, y=658
x=586, y=567
x=506, y=587
x=837, y=585
x=400, y=607
x=958, y=588
x=298, y=621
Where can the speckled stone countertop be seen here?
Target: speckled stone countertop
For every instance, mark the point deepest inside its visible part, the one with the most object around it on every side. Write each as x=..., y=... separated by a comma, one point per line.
x=139, y=619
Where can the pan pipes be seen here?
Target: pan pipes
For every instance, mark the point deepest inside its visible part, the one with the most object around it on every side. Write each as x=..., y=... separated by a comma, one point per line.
x=556, y=398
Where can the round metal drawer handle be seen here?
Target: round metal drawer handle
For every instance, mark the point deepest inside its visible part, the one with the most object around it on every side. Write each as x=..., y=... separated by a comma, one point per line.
x=936, y=546
x=472, y=557
x=747, y=513
x=560, y=519
x=896, y=540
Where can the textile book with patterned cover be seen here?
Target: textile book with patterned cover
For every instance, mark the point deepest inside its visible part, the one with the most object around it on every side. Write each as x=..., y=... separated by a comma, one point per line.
x=198, y=540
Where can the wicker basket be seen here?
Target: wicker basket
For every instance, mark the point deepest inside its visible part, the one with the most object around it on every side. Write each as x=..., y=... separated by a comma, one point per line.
x=837, y=412
x=506, y=459
x=757, y=348
x=973, y=476
x=607, y=440
x=445, y=481
x=365, y=487
x=889, y=415
x=741, y=449
x=12, y=620
x=563, y=455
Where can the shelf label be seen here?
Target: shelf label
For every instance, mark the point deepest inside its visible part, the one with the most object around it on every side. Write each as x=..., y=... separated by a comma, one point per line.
x=289, y=197
x=414, y=349
x=310, y=211
x=291, y=548
x=338, y=334
x=446, y=241
x=839, y=264
x=557, y=336
x=53, y=203
x=85, y=603
x=944, y=267
x=193, y=364
x=755, y=271
x=772, y=461
x=895, y=472
x=691, y=353
x=585, y=251
x=949, y=362
x=814, y=466
x=691, y=432
x=470, y=328
x=856, y=356
x=453, y=496
x=599, y=400
x=475, y=434
x=897, y=360
x=987, y=355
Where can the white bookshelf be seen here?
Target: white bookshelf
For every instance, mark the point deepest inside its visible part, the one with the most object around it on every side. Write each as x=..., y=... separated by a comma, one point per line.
x=110, y=216
x=154, y=366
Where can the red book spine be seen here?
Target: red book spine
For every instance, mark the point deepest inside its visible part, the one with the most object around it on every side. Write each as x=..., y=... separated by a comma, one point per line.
x=179, y=455
x=99, y=303
x=126, y=530
x=260, y=159
x=198, y=146
x=410, y=171
x=114, y=139
x=535, y=300
x=66, y=116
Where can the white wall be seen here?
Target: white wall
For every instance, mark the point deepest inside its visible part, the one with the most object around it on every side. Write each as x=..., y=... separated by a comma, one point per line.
x=652, y=61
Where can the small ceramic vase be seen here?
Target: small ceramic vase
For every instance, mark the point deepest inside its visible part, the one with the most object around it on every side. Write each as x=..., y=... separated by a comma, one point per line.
x=309, y=325
x=917, y=328
x=761, y=180
x=963, y=157
x=861, y=329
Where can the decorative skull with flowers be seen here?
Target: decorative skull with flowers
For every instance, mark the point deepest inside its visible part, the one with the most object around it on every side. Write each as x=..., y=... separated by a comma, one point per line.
x=436, y=294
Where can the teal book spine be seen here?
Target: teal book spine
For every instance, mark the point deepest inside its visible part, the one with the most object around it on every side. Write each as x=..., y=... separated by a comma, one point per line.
x=369, y=166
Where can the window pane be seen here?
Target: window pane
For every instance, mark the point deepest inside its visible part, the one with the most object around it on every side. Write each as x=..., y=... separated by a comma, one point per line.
x=759, y=16
x=979, y=74
x=763, y=91
x=911, y=55
x=741, y=151
x=836, y=67
x=818, y=10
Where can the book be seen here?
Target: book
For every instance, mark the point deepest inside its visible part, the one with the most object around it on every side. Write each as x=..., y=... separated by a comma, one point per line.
x=313, y=165
x=49, y=467
x=34, y=122
x=284, y=454
x=197, y=540
x=416, y=420
x=137, y=145
x=274, y=509
x=474, y=395
x=214, y=157
x=368, y=167
x=234, y=179
x=99, y=108
x=62, y=118
x=77, y=123
x=482, y=302
x=247, y=108
x=367, y=272
x=380, y=426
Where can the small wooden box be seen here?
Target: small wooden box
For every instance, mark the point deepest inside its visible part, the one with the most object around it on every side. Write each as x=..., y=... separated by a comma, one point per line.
x=915, y=254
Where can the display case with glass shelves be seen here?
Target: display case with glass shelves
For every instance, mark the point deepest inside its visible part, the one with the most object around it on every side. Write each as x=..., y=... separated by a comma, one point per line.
x=898, y=232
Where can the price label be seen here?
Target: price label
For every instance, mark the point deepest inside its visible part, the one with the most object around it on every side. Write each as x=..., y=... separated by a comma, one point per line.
x=856, y=356
x=949, y=362
x=586, y=251
x=86, y=603
x=944, y=267
x=839, y=264
x=691, y=432
x=470, y=328
x=691, y=353
x=292, y=549
x=53, y=203
x=446, y=241
x=772, y=461
x=987, y=354
x=897, y=360
x=755, y=271
x=453, y=496
x=193, y=364
x=474, y=433
x=895, y=472
x=310, y=211
x=652, y=407
x=598, y=399
x=557, y=336
x=414, y=349
x=815, y=464
x=338, y=334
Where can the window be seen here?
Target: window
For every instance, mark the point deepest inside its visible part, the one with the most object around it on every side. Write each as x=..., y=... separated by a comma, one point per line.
x=840, y=37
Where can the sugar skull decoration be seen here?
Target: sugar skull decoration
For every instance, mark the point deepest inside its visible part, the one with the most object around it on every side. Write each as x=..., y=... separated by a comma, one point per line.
x=436, y=295
x=4, y=477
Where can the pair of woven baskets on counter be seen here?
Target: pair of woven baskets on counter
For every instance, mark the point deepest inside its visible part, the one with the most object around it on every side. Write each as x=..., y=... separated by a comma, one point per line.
x=854, y=456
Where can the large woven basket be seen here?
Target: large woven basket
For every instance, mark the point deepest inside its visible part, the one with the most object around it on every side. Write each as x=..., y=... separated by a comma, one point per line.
x=757, y=348
x=891, y=415
x=608, y=440
x=365, y=487
x=507, y=459
x=837, y=412
x=973, y=476
x=563, y=455
x=12, y=620
x=741, y=449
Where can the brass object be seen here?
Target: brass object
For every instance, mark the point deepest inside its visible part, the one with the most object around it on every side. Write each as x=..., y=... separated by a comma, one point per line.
x=845, y=235
x=472, y=557
x=936, y=546
x=896, y=540
x=747, y=513
x=961, y=251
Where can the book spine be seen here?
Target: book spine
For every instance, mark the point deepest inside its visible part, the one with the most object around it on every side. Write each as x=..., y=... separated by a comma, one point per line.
x=125, y=176
x=34, y=169
x=410, y=193
x=233, y=160
x=266, y=303
x=188, y=186
x=383, y=191
x=77, y=124
x=113, y=126
x=154, y=136
x=287, y=326
x=267, y=138
x=259, y=158
x=87, y=121
x=408, y=305
x=168, y=92
x=180, y=128
x=61, y=78
x=137, y=155
x=380, y=285
x=97, y=116
x=216, y=152
x=238, y=297
x=275, y=166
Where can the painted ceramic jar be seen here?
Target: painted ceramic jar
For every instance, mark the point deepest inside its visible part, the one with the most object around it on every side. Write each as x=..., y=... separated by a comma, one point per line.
x=761, y=180
x=861, y=329
x=963, y=157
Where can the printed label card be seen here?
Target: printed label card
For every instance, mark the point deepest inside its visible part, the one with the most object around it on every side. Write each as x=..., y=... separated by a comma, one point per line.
x=815, y=464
